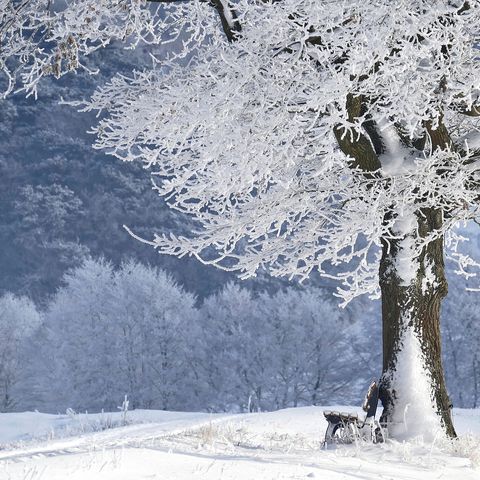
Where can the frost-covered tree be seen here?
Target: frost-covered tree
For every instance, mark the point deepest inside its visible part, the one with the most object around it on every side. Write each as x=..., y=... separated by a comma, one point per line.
x=275, y=351
x=116, y=332
x=236, y=352
x=300, y=134
x=19, y=320
x=80, y=354
x=313, y=356
x=156, y=324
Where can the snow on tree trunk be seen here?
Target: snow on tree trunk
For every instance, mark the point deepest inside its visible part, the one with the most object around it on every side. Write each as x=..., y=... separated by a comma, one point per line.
x=412, y=387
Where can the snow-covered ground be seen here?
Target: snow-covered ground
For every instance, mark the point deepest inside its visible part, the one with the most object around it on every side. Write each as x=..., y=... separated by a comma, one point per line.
x=170, y=446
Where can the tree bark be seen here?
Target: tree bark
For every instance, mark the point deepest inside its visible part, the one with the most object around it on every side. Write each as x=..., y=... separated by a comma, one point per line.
x=415, y=305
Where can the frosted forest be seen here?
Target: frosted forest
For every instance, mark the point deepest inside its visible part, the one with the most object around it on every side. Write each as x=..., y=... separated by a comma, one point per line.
x=221, y=221
x=132, y=330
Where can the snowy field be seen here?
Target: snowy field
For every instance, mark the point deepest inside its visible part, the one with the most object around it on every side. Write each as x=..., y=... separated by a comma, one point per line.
x=169, y=445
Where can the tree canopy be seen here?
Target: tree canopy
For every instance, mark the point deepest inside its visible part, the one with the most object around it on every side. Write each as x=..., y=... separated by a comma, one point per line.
x=299, y=135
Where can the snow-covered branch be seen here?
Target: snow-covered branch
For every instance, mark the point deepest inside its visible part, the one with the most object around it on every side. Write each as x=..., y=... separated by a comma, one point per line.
x=299, y=145
x=53, y=37
x=261, y=141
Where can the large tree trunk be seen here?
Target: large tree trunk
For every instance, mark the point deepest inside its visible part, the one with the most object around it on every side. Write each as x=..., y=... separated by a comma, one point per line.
x=413, y=380
x=413, y=284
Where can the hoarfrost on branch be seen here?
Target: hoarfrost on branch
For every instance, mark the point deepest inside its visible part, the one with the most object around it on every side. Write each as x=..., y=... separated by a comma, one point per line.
x=246, y=135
